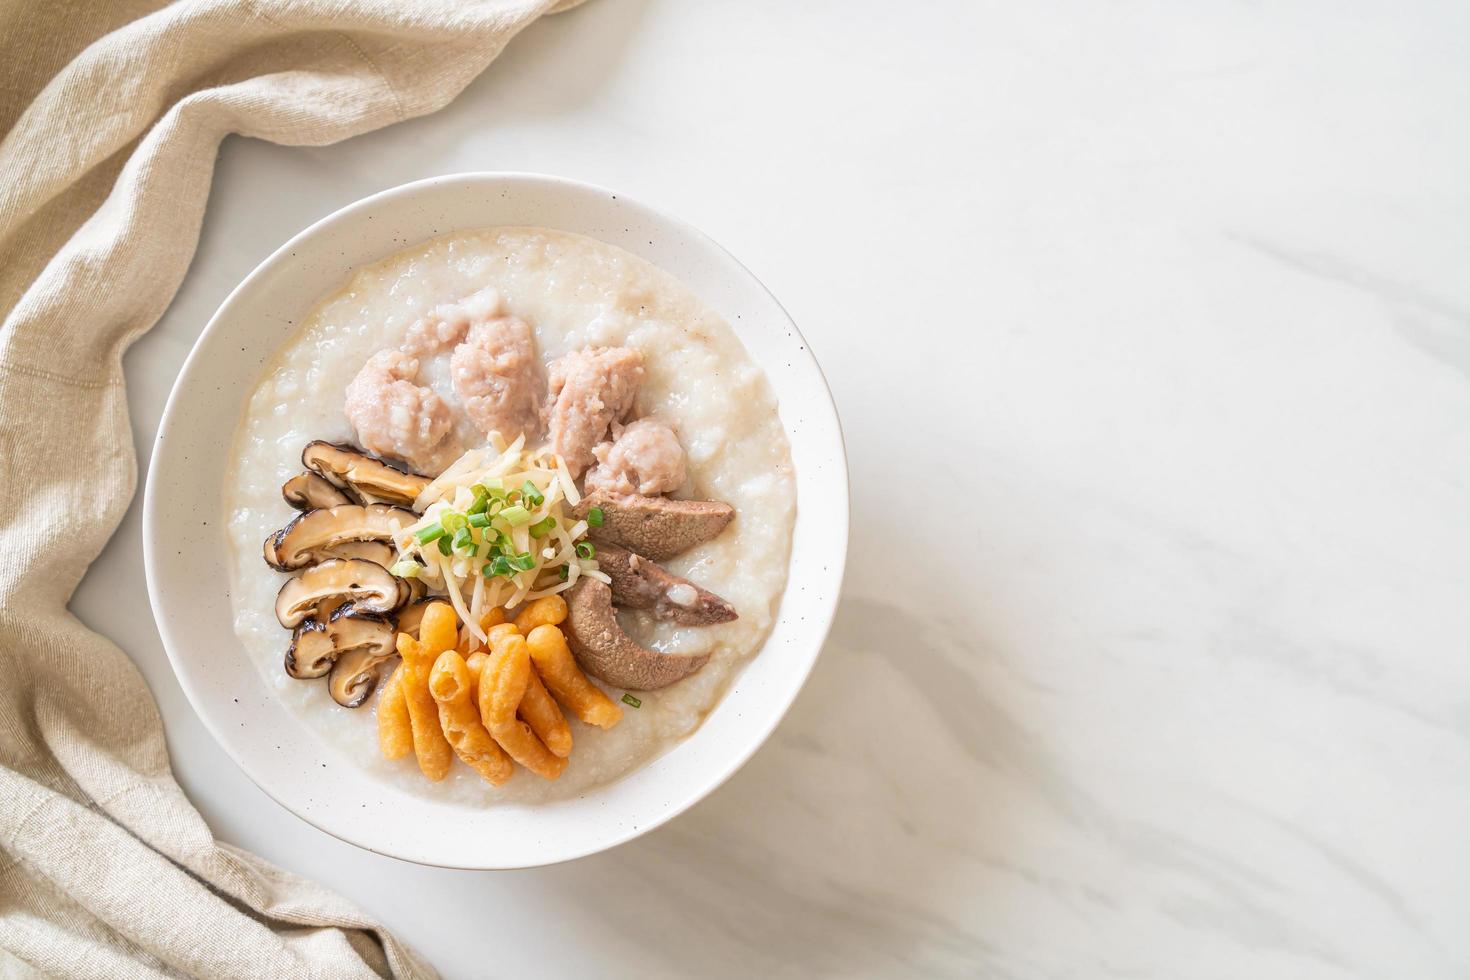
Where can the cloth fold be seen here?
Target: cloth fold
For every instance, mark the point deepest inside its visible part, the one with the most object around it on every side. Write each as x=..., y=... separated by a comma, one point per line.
x=113, y=114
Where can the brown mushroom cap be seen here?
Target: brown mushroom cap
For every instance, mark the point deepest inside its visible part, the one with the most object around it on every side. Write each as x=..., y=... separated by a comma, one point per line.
x=609, y=654
x=314, y=532
x=353, y=677
x=655, y=527
x=368, y=478
x=638, y=583
x=369, y=586
x=308, y=491
x=377, y=552
x=311, y=651
x=362, y=641
x=411, y=615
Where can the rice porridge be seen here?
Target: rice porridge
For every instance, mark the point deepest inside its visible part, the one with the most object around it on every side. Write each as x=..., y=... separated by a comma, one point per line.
x=575, y=294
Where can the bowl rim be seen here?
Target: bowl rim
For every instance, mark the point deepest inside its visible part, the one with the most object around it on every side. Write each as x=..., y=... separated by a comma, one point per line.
x=820, y=620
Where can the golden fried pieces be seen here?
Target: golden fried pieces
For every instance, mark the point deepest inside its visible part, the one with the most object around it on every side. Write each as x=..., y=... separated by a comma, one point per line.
x=540, y=712
x=453, y=689
x=503, y=685
x=559, y=670
x=549, y=610
x=429, y=744
x=395, y=731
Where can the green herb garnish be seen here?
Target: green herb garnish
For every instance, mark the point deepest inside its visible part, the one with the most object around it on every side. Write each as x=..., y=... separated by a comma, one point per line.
x=594, y=517
x=433, y=532
x=630, y=700
x=585, y=549
x=531, y=494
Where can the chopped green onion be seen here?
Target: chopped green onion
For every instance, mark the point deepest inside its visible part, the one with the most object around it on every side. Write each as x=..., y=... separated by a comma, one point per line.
x=482, y=500
x=515, y=514
x=565, y=572
x=523, y=562
x=429, y=534
x=594, y=517
x=406, y=569
x=444, y=546
x=630, y=700
x=530, y=492
x=543, y=527
x=453, y=521
x=479, y=520
x=585, y=549
x=464, y=540
x=499, y=565
x=492, y=485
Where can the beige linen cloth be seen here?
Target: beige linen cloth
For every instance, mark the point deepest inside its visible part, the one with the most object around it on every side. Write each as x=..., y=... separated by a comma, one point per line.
x=112, y=112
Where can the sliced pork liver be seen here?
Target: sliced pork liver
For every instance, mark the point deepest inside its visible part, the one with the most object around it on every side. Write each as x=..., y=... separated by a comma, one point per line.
x=638, y=583
x=655, y=527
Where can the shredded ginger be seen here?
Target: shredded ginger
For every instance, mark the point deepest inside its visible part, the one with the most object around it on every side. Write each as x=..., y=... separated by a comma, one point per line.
x=496, y=531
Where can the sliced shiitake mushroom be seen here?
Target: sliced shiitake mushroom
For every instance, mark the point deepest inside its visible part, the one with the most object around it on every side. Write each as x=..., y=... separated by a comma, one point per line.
x=354, y=676
x=308, y=491
x=362, y=642
x=655, y=527
x=380, y=552
x=315, y=531
x=609, y=654
x=311, y=651
x=368, y=478
x=412, y=614
x=328, y=607
x=638, y=583
x=369, y=586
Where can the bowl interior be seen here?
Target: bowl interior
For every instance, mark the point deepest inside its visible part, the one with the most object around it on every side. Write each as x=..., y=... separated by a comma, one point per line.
x=186, y=551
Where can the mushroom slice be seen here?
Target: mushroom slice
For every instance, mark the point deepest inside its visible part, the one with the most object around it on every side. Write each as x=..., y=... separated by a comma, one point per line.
x=369, y=478
x=315, y=531
x=308, y=491
x=354, y=676
x=368, y=585
x=311, y=651
x=379, y=552
x=655, y=527
x=269, y=550
x=638, y=583
x=411, y=615
x=609, y=654
x=327, y=608
x=363, y=641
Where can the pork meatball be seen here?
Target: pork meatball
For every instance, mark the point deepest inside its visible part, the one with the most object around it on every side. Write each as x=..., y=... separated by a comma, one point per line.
x=589, y=390
x=497, y=377
x=395, y=417
x=445, y=325
x=644, y=457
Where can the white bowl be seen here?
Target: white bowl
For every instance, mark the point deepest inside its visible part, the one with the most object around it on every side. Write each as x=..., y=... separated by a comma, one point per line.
x=186, y=554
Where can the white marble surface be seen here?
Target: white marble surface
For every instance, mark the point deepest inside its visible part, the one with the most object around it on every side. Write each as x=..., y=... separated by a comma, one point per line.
x=1153, y=320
